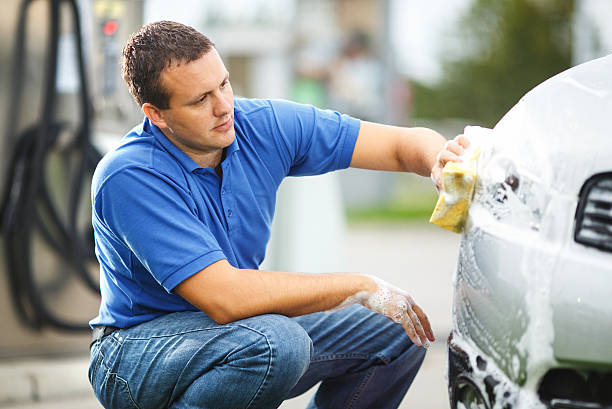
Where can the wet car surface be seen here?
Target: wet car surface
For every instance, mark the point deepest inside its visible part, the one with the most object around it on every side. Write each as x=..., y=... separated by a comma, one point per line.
x=532, y=310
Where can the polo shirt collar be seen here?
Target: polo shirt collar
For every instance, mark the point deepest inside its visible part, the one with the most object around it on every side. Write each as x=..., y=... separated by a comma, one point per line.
x=175, y=151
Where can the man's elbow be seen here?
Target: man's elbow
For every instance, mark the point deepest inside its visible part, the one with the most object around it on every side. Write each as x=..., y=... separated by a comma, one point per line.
x=222, y=315
x=222, y=307
x=213, y=291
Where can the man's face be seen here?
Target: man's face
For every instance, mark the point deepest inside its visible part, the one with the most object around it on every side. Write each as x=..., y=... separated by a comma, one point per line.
x=201, y=114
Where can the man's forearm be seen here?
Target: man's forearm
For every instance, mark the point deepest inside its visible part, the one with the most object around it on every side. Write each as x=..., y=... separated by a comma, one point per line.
x=393, y=148
x=418, y=149
x=228, y=294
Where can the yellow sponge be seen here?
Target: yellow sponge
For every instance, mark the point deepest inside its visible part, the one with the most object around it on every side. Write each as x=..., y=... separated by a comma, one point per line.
x=458, y=181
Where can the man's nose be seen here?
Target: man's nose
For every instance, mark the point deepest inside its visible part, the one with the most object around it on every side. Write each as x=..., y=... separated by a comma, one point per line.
x=222, y=105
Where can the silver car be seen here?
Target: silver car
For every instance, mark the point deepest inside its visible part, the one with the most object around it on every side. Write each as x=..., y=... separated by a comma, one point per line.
x=532, y=310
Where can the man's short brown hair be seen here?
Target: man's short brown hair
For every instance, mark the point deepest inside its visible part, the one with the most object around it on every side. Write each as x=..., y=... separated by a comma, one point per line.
x=152, y=49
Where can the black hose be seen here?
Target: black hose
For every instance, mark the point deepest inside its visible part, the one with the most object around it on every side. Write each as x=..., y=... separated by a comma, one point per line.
x=28, y=206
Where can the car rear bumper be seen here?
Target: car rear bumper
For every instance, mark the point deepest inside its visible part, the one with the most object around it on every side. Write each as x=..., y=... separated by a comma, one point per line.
x=559, y=388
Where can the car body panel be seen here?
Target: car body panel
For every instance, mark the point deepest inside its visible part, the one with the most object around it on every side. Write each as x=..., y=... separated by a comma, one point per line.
x=527, y=296
x=582, y=311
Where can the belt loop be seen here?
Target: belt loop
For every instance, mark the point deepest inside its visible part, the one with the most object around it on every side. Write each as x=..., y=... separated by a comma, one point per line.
x=95, y=336
x=100, y=332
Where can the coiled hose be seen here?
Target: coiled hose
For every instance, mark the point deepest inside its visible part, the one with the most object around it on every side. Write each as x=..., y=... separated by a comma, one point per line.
x=29, y=207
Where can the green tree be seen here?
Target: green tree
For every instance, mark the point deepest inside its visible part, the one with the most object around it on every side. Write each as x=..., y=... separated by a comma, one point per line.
x=514, y=45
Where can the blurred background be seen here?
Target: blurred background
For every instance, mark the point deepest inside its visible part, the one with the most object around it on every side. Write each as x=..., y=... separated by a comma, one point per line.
x=443, y=64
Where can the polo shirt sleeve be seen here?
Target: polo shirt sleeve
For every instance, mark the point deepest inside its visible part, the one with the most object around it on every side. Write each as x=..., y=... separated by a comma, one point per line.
x=315, y=141
x=157, y=220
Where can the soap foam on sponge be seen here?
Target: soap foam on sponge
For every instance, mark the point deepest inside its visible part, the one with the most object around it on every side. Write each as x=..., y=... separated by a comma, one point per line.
x=458, y=181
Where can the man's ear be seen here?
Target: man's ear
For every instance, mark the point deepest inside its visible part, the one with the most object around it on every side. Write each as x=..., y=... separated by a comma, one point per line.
x=154, y=115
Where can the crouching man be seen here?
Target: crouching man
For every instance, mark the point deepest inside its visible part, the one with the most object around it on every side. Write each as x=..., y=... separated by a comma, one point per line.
x=182, y=212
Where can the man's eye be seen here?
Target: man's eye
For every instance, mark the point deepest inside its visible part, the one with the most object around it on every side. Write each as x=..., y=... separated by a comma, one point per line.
x=224, y=83
x=202, y=99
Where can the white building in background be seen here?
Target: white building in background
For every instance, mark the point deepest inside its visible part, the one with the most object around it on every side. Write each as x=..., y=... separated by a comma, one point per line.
x=422, y=32
x=592, y=30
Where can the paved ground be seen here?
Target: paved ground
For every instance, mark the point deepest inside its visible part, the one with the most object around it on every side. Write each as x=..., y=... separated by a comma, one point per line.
x=420, y=259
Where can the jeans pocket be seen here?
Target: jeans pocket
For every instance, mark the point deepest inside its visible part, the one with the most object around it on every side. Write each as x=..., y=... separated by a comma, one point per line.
x=94, y=364
x=114, y=393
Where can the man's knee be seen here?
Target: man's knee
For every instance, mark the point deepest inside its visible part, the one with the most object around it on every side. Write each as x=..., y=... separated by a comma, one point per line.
x=290, y=346
x=260, y=360
x=288, y=352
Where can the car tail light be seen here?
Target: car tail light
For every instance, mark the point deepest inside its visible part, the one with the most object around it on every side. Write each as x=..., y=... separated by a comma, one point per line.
x=593, y=225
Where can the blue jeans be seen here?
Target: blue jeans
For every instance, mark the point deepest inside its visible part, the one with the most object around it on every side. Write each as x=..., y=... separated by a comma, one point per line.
x=186, y=360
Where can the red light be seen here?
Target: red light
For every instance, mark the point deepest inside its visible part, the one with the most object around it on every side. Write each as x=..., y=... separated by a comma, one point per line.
x=110, y=28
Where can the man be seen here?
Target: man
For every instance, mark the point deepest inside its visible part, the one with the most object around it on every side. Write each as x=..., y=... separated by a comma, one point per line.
x=182, y=213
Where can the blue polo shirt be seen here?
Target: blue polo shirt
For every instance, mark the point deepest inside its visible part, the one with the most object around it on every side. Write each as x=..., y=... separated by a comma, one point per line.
x=159, y=217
